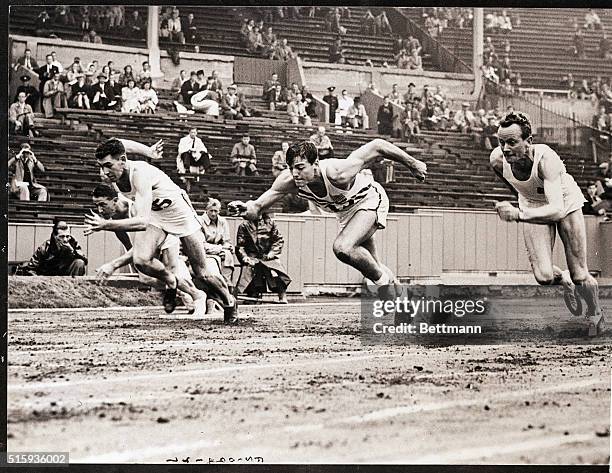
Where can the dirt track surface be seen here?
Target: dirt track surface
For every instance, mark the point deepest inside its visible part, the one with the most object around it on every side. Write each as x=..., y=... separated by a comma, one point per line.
x=295, y=384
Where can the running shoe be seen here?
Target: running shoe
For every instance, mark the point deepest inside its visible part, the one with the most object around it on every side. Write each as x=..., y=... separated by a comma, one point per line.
x=570, y=296
x=597, y=324
x=230, y=313
x=170, y=300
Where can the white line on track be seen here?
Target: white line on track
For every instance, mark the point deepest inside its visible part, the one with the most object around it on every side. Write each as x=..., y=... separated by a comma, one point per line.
x=132, y=378
x=394, y=412
x=464, y=454
x=299, y=305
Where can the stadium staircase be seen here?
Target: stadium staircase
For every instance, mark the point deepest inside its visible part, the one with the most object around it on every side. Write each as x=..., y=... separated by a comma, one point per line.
x=540, y=46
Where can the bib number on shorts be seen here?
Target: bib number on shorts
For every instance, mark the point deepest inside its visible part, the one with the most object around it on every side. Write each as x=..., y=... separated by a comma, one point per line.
x=161, y=204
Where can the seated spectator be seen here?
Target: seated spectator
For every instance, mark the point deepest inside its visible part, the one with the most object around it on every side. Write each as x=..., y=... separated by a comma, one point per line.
x=144, y=75
x=32, y=95
x=84, y=21
x=357, y=116
x=245, y=29
x=463, y=119
x=54, y=96
x=147, y=98
x=594, y=205
x=489, y=134
x=116, y=17
x=584, y=90
x=410, y=94
x=79, y=98
x=25, y=167
x=193, y=154
x=344, y=103
x=277, y=100
x=336, y=52
x=43, y=25
x=92, y=37
x=179, y=81
x=244, y=158
x=592, y=20
x=322, y=143
x=207, y=100
x=127, y=75
x=384, y=118
x=270, y=86
x=411, y=122
x=116, y=89
x=216, y=83
x=255, y=44
x=135, y=25
x=202, y=79
x=190, y=29
x=292, y=92
x=488, y=49
x=21, y=117
x=73, y=74
x=284, y=51
x=60, y=255
x=62, y=15
x=103, y=95
x=234, y=105
x=506, y=89
x=279, y=159
x=601, y=122
x=415, y=63
x=217, y=240
x=90, y=74
x=413, y=44
x=309, y=102
x=368, y=23
x=27, y=61
x=402, y=59
x=504, y=23
x=297, y=111
x=129, y=98
x=432, y=25
x=604, y=46
x=175, y=32
x=395, y=96
x=190, y=88
x=258, y=247
x=382, y=24
x=579, y=44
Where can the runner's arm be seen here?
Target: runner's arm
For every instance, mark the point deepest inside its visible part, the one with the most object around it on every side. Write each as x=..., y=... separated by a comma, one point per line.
x=134, y=147
x=551, y=167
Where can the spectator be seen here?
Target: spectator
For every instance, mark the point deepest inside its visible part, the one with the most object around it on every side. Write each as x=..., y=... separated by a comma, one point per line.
x=489, y=134
x=255, y=44
x=32, y=95
x=384, y=118
x=293, y=92
x=491, y=23
x=505, y=71
x=410, y=94
x=413, y=44
x=269, y=40
x=336, y=52
x=129, y=98
x=91, y=37
x=504, y=23
x=21, y=117
x=357, y=116
x=234, y=105
x=332, y=100
x=278, y=100
x=90, y=73
x=322, y=143
x=193, y=154
x=594, y=205
x=116, y=89
x=116, y=17
x=488, y=49
x=144, y=75
x=333, y=21
x=584, y=91
x=284, y=52
x=207, y=101
x=43, y=25
x=411, y=122
x=27, y=61
x=604, y=46
x=25, y=167
x=279, y=159
x=309, y=102
x=506, y=89
x=464, y=119
x=344, y=103
x=147, y=98
x=56, y=62
x=216, y=83
x=244, y=158
x=127, y=74
x=579, y=44
x=402, y=59
x=79, y=98
x=368, y=23
x=218, y=243
x=54, y=96
x=270, y=86
x=258, y=247
x=46, y=72
x=179, y=81
x=601, y=122
x=592, y=20
x=189, y=29
x=245, y=29
x=432, y=25
x=175, y=32
x=201, y=79
x=415, y=62
x=84, y=21
x=73, y=74
x=297, y=111
x=136, y=26
x=60, y=255
x=382, y=24
x=372, y=88
x=190, y=88
x=103, y=96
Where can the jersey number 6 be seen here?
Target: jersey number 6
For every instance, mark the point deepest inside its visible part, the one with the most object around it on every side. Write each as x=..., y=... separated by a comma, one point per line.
x=159, y=204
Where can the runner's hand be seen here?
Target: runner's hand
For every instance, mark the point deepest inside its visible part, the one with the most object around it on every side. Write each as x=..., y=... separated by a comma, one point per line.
x=94, y=223
x=236, y=208
x=157, y=150
x=104, y=272
x=507, y=212
x=419, y=170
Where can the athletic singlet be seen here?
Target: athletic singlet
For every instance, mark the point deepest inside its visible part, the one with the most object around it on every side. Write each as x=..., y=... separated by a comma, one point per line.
x=532, y=190
x=165, y=192
x=339, y=200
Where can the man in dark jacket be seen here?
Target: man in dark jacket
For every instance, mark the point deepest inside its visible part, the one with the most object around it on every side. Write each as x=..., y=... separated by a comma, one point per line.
x=190, y=88
x=32, y=95
x=60, y=255
x=102, y=95
x=259, y=245
x=332, y=101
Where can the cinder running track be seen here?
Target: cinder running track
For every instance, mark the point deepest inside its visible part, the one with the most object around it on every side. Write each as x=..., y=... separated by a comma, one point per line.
x=295, y=384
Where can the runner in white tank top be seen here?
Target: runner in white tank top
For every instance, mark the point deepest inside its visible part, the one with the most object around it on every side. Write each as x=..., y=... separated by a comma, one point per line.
x=162, y=209
x=340, y=186
x=549, y=201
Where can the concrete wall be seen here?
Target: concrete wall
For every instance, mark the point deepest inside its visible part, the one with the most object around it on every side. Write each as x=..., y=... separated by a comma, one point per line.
x=122, y=56
x=355, y=79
